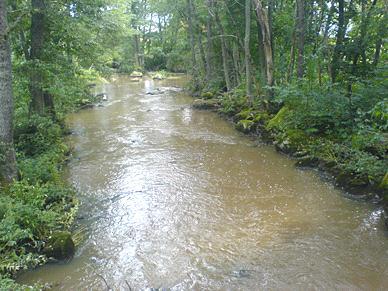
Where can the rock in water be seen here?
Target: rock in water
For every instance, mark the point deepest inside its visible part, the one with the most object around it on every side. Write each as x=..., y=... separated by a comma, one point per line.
x=60, y=246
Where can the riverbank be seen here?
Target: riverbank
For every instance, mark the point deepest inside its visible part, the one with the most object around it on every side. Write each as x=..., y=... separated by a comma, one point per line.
x=173, y=197
x=36, y=212
x=356, y=162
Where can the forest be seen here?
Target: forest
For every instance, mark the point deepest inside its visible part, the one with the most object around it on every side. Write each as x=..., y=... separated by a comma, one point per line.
x=310, y=77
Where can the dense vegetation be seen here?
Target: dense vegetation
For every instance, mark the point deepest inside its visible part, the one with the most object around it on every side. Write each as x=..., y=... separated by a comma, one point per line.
x=57, y=50
x=310, y=76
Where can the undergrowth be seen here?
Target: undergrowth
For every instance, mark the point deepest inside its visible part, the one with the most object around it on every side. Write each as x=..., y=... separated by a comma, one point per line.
x=37, y=205
x=344, y=135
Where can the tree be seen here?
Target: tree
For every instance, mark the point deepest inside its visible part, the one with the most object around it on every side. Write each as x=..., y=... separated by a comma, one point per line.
x=190, y=21
x=8, y=161
x=37, y=33
x=224, y=48
x=335, y=66
x=262, y=16
x=301, y=36
x=248, y=49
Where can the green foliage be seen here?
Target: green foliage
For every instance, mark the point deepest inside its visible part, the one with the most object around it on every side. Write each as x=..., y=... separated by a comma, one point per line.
x=249, y=118
x=35, y=134
x=279, y=121
x=155, y=60
x=28, y=215
x=233, y=104
x=32, y=208
x=7, y=283
x=159, y=75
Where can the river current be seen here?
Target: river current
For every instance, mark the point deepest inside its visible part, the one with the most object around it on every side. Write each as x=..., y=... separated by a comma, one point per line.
x=177, y=199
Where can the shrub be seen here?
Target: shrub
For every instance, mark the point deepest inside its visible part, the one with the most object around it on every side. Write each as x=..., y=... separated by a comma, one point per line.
x=36, y=134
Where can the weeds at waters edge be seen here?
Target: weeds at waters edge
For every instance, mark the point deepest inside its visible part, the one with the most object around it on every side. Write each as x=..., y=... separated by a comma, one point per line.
x=39, y=204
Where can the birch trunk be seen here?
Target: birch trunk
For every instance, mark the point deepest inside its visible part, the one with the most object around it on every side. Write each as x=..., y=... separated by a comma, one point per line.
x=262, y=16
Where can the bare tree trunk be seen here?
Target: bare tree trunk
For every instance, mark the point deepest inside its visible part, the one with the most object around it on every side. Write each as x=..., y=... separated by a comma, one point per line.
x=36, y=55
x=209, y=45
x=198, y=30
x=248, y=50
x=262, y=16
x=261, y=51
x=7, y=152
x=137, y=51
x=291, y=65
x=202, y=54
x=339, y=42
x=224, y=50
x=325, y=40
x=382, y=35
x=301, y=29
x=363, y=33
x=194, y=69
x=236, y=63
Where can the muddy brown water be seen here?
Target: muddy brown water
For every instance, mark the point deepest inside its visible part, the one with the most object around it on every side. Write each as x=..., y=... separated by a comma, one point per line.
x=174, y=198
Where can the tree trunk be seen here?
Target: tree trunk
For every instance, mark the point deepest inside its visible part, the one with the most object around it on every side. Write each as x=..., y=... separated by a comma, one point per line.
x=382, y=33
x=262, y=16
x=248, y=50
x=194, y=69
x=271, y=9
x=224, y=50
x=301, y=36
x=198, y=30
x=361, y=47
x=136, y=45
x=7, y=152
x=325, y=40
x=36, y=56
x=209, y=46
x=236, y=63
x=202, y=55
x=261, y=51
x=22, y=37
x=339, y=42
x=291, y=65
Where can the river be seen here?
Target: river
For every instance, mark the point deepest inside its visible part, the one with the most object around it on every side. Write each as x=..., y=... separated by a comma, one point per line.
x=174, y=198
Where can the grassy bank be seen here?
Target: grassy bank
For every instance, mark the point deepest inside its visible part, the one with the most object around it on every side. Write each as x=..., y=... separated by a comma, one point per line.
x=37, y=211
x=38, y=207
x=320, y=128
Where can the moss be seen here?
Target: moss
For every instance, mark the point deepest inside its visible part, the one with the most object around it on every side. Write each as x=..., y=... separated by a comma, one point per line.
x=136, y=74
x=202, y=104
x=60, y=246
x=291, y=141
x=297, y=137
x=207, y=95
x=384, y=183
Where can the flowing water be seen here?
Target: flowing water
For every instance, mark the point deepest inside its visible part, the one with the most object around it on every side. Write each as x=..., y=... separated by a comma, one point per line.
x=174, y=198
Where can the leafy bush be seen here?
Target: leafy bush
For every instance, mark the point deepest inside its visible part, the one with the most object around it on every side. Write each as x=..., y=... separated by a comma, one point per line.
x=7, y=283
x=28, y=216
x=37, y=205
x=232, y=104
x=36, y=134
